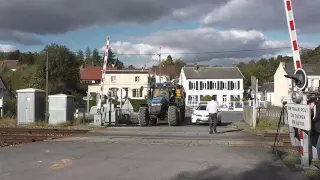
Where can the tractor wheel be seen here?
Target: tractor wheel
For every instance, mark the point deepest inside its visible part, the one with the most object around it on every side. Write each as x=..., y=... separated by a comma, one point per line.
x=182, y=114
x=143, y=116
x=153, y=121
x=173, y=116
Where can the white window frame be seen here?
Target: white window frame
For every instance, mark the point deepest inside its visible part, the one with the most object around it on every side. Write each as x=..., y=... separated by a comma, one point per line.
x=214, y=85
x=137, y=78
x=113, y=78
x=137, y=93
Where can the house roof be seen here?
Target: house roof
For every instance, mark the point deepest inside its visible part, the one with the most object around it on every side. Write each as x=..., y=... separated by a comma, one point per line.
x=269, y=87
x=212, y=73
x=165, y=70
x=94, y=72
x=11, y=64
x=310, y=69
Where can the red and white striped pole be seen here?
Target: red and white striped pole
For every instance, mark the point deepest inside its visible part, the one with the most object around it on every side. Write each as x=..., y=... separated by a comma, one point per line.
x=293, y=35
x=103, y=74
x=304, y=144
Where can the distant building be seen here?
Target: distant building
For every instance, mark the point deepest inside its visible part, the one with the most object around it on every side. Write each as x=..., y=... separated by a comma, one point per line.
x=283, y=87
x=266, y=92
x=10, y=64
x=130, y=80
x=164, y=73
x=224, y=82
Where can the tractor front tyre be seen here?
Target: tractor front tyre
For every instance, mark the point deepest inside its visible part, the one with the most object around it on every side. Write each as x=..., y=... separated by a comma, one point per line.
x=173, y=119
x=143, y=116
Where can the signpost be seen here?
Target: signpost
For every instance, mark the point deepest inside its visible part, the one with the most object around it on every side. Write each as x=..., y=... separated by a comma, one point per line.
x=299, y=116
x=254, y=91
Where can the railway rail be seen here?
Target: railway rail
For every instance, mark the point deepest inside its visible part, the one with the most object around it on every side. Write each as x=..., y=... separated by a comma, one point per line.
x=14, y=136
x=284, y=141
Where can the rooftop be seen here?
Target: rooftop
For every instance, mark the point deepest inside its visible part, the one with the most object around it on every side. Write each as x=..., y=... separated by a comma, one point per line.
x=11, y=64
x=310, y=69
x=202, y=72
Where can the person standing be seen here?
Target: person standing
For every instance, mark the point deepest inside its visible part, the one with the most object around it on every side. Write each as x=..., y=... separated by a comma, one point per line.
x=315, y=123
x=212, y=108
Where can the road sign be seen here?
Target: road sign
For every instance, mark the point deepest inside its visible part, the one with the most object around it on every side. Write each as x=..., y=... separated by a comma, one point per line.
x=121, y=93
x=301, y=75
x=299, y=116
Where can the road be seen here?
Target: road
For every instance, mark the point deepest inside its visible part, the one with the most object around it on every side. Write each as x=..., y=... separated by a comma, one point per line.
x=145, y=153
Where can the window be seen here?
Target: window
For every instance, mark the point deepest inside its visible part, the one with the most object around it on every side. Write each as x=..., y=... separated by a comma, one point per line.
x=137, y=79
x=113, y=78
x=224, y=99
x=192, y=85
x=136, y=92
x=214, y=85
x=205, y=85
x=201, y=107
x=225, y=85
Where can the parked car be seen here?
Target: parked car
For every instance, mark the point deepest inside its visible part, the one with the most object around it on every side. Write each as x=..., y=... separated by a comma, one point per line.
x=201, y=116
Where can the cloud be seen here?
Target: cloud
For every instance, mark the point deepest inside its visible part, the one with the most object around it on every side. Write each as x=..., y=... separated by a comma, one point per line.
x=19, y=37
x=23, y=19
x=203, y=45
x=7, y=48
x=264, y=15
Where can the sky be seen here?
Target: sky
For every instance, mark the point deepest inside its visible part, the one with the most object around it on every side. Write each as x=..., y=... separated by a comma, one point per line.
x=213, y=32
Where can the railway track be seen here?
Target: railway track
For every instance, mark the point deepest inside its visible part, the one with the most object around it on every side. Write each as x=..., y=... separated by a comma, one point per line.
x=284, y=140
x=13, y=136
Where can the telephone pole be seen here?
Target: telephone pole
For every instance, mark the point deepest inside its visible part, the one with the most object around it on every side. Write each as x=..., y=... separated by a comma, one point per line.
x=47, y=88
x=160, y=65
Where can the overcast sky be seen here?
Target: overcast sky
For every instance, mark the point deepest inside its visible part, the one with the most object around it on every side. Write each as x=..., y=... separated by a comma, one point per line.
x=142, y=26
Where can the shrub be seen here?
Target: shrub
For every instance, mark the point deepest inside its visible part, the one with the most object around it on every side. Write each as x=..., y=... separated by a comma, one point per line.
x=10, y=108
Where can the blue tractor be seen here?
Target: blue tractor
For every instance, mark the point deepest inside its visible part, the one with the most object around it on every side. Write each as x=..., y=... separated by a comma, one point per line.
x=166, y=102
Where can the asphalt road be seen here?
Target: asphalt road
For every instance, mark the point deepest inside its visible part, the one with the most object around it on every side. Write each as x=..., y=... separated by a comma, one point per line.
x=145, y=153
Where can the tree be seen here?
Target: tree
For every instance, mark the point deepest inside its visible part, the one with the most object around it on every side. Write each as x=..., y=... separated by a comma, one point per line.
x=168, y=61
x=64, y=72
x=206, y=98
x=15, y=55
x=131, y=67
x=80, y=55
x=88, y=53
x=95, y=56
x=27, y=58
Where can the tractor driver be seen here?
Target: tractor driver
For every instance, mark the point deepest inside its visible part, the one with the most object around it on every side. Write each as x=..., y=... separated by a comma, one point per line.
x=315, y=122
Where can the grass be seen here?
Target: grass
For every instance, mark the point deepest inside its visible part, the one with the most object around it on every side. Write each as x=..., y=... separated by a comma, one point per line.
x=264, y=125
x=8, y=122
x=11, y=122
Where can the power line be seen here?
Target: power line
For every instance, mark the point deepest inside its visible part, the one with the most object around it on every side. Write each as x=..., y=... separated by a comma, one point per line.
x=208, y=52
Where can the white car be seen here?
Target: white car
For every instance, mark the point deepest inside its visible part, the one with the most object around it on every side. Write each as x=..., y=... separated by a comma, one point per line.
x=201, y=116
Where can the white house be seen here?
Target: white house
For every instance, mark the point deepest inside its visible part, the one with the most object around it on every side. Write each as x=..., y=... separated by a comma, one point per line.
x=283, y=86
x=266, y=92
x=224, y=82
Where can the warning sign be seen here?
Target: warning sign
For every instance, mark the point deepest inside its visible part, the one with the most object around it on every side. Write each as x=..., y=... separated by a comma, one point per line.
x=299, y=116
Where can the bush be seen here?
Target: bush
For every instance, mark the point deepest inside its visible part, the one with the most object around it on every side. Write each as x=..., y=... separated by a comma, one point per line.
x=136, y=103
x=10, y=108
x=206, y=98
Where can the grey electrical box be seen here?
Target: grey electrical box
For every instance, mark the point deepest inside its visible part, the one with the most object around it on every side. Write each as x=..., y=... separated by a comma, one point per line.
x=61, y=108
x=31, y=105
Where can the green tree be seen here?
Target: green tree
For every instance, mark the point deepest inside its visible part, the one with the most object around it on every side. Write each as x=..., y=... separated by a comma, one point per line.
x=168, y=61
x=95, y=56
x=88, y=53
x=206, y=98
x=15, y=55
x=27, y=58
x=64, y=72
x=80, y=55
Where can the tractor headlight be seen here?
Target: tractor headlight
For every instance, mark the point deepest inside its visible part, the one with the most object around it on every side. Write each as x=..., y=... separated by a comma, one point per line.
x=156, y=104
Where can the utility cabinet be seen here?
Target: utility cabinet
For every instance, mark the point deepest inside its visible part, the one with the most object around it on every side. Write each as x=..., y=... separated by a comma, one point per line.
x=61, y=108
x=31, y=105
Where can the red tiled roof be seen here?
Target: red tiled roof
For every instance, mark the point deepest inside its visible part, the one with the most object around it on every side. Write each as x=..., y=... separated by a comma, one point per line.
x=93, y=72
x=11, y=64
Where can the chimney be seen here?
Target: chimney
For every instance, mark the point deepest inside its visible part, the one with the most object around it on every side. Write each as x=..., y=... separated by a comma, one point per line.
x=234, y=64
x=195, y=66
x=283, y=64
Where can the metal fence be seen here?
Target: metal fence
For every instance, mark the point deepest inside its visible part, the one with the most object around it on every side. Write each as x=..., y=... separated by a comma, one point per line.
x=232, y=105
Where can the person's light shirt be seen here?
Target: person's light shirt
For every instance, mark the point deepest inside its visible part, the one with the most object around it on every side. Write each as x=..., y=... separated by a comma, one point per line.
x=212, y=107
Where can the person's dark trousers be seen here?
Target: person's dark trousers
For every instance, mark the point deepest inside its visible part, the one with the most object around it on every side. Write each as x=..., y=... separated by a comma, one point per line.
x=213, y=122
